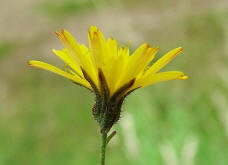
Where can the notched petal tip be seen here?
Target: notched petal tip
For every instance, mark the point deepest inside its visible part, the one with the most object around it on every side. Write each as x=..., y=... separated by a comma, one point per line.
x=180, y=49
x=54, y=51
x=57, y=33
x=36, y=64
x=95, y=34
x=183, y=77
x=93, y=29
x=147, y=45
x=32, y=63
x=154, y=50
x=61, y=34
x=63, y=31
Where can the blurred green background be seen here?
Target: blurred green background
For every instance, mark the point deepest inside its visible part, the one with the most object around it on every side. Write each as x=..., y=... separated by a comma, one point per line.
x=45, y=119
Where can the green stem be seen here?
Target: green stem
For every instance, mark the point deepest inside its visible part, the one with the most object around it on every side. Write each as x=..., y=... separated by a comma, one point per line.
x=103, y=147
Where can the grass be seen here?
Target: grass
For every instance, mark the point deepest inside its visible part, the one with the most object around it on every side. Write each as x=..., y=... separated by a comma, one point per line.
x=6, y=49
x=62, y=9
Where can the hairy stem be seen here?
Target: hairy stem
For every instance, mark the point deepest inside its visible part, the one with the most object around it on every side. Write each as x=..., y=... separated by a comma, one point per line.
x=103, y=147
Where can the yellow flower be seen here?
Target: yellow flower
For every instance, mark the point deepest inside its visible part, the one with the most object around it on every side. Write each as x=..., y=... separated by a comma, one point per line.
x=109, y=70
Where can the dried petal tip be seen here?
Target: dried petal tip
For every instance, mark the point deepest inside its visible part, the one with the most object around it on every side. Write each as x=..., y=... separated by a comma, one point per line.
x=32, y=63
x=62, y=31
x=57, y=33
x=29, y=63
x=181, y=49
x=147, y=45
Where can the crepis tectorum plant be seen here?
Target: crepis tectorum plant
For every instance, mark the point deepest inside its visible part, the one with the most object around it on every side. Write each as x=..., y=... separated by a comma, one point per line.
x=110, y=72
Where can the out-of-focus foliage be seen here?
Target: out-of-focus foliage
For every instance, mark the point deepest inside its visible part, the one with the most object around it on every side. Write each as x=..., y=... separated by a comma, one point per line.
x=61, y=9
x=45, y=119
x=5, y=49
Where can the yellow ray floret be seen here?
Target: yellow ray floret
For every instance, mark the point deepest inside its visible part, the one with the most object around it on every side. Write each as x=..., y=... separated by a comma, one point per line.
x=160, y=77
x=51, y=68
x=116, y=63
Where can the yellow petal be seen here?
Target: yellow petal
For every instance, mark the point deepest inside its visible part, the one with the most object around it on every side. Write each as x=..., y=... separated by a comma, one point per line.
x=72, y=46
x=84, y=49
x=104, y=54
x=144, y=61
x=109, y=58
x=77, y=52
x=97, y=46
x=67, y=58
x=116, y=64
x=51, y=68
x=129, y=68
x=137, y=63
x=158, y=65
x=160, y=77
x=116, y=71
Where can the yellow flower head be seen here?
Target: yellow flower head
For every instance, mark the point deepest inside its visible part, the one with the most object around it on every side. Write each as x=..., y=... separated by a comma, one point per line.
x=109, y=70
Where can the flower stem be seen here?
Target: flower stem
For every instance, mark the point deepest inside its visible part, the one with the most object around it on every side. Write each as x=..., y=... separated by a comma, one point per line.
x=103, y=147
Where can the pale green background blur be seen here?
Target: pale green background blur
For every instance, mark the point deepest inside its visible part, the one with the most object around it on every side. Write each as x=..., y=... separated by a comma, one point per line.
x=46, y=120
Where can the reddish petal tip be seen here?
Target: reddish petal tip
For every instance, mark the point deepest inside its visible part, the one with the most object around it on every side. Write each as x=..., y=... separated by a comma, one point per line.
x=57, y=33
x=147, y=45
x=63, y=31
